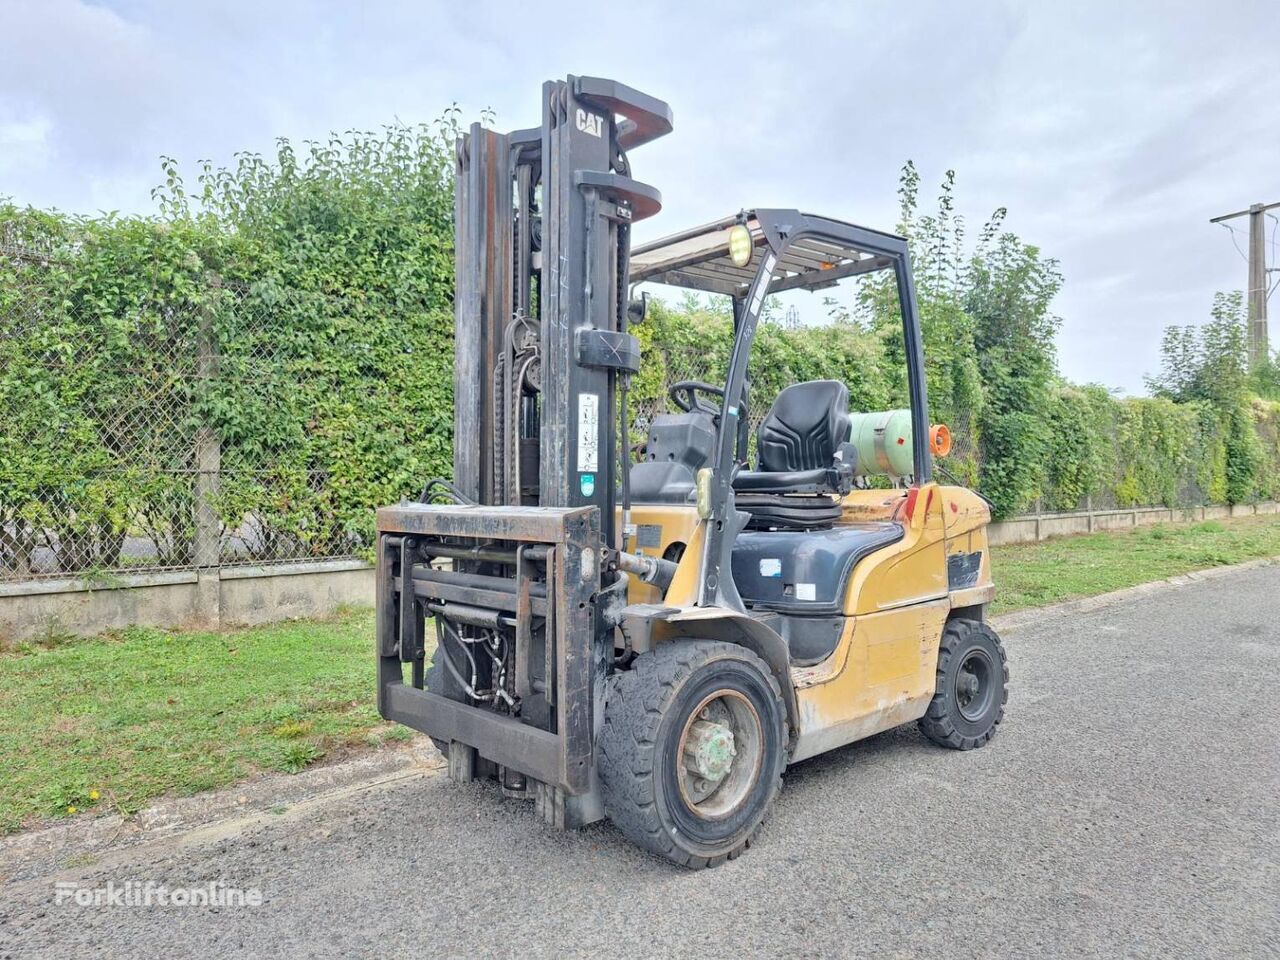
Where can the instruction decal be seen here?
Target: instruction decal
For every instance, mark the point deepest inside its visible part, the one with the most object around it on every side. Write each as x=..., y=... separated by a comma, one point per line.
x=589, y=433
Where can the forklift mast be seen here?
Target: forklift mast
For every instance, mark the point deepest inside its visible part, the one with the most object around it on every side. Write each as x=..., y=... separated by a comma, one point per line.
x=521, y=573
x=543, y=221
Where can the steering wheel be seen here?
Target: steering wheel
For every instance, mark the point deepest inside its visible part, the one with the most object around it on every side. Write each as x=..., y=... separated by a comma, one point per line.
x=684, y=394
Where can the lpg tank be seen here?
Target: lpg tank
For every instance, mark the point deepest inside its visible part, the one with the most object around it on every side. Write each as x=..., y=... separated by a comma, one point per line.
x=883, y=441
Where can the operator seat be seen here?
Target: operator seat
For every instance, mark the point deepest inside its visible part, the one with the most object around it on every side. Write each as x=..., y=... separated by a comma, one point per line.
x=802, y=459
x=804, y=427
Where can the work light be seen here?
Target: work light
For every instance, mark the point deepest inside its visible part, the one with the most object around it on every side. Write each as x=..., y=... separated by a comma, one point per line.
x=740, y=245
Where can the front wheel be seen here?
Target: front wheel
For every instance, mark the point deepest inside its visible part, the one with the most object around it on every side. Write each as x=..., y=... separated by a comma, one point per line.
x=972, y=687
x=692, y=750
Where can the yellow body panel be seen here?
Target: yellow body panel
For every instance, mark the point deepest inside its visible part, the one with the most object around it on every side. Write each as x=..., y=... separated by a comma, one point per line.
x=677, y=524
x=888, y=662
x=913, y=570
x=883, y=670
x=967, y=515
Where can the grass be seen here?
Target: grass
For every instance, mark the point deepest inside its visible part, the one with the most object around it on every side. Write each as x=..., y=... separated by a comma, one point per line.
x=115, y=721
x=1035, y=574
x=118, y=720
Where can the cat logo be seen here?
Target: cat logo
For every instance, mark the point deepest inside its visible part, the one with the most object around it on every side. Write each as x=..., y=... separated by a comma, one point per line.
x=590, y=123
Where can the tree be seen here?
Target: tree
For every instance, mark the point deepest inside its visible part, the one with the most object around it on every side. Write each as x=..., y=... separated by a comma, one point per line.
x=1208, y=362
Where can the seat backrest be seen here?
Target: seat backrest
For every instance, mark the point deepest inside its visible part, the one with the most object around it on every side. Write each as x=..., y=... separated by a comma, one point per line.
x=804, y=427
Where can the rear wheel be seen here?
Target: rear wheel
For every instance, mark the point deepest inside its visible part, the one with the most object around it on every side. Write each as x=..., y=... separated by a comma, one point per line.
x=972, y=687
x=692, y=750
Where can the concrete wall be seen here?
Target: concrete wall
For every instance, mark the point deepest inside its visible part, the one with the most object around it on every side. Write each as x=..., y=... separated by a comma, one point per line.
x=183, y=598
x=1041, y=526
x=261, y=594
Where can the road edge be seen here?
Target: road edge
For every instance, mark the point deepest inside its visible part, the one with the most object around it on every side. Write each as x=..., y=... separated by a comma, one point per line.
x=1017, y=619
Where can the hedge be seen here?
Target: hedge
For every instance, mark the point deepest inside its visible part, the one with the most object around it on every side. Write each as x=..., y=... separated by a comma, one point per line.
x=322, y=291
x=299, y=309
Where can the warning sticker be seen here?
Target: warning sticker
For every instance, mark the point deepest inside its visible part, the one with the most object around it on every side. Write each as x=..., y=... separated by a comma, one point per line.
x=588, y=432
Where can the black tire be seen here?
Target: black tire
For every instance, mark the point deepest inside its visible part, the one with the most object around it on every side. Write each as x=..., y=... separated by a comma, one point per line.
x=649, y=712
x=972, y=687
x=438, y=681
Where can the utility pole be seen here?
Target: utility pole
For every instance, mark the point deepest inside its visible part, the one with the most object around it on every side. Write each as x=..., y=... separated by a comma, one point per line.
x=1257, y=277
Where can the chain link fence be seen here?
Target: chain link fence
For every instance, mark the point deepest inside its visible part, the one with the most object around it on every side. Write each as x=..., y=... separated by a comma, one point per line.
x=135, y=438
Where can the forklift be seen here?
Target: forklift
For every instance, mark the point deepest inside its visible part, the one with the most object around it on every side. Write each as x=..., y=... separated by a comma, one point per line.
x=655, y=641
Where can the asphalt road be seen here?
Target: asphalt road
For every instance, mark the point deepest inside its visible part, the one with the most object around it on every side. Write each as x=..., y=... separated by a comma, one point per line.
x=1127, y=807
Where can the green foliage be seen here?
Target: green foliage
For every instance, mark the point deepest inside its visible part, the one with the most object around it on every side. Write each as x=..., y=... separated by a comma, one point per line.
x=317, y=284
x=1209, y=365
x=1266, y=421
x=1008, y=295
x=344, y=398
x=321, y=282
x=1245, y=457
x=988, y=340
x=111, y=304
x=1209, y=362
x=1080, y=444
x=1264, y=381
x=692, y=342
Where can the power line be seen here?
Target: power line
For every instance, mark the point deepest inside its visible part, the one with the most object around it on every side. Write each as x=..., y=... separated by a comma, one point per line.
x=1275, y=223
x=1232, y=231
x=1259, y=287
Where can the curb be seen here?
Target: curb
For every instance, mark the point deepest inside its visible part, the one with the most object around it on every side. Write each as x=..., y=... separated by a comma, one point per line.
x=81, y=844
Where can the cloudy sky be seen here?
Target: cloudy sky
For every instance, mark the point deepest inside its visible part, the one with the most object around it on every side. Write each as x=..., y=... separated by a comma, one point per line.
x=1111, y=130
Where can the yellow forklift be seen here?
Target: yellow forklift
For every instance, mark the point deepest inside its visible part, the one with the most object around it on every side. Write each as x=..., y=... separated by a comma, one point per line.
x=654, y=642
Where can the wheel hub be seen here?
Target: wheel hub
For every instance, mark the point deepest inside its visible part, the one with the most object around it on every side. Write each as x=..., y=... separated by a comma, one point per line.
x=974, y=685
x=709, y=750
x=720, y=753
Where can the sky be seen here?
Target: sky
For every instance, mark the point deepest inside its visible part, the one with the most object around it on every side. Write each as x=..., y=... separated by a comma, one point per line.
x=1112, y=131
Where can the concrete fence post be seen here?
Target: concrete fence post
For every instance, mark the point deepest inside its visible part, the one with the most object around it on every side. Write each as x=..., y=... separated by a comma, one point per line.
x=208, y=466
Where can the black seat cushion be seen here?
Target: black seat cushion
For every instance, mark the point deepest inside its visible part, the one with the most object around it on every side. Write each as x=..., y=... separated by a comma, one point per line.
x=771, y=511
x=789, y=481
x=804, y=427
